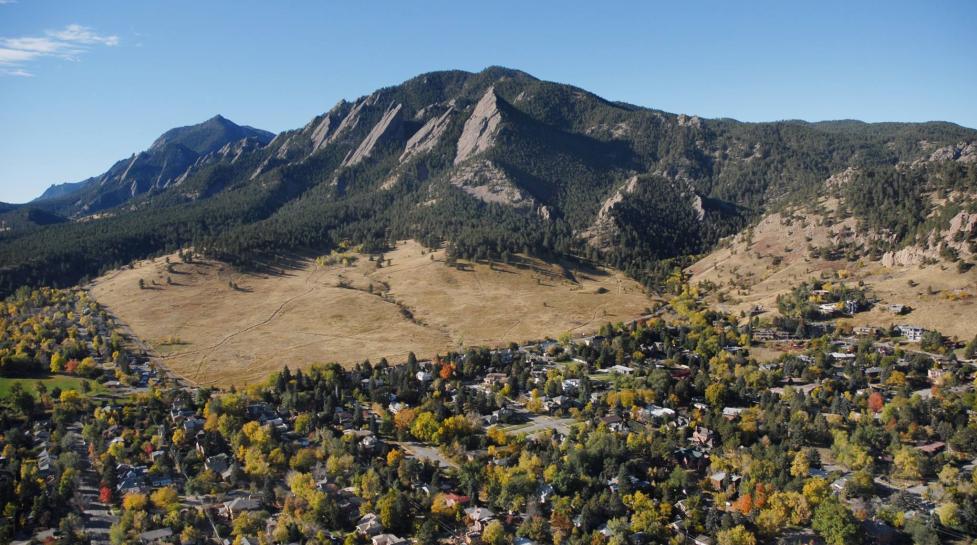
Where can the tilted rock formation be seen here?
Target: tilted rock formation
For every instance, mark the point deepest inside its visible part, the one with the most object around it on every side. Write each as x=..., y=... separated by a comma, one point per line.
x=390, y=123
x=428, y=136
x=602, y=232
x=481, y=128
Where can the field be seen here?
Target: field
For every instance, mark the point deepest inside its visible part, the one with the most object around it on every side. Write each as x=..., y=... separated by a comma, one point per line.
x=754, y=267
x=62, y=382
x=215, y=325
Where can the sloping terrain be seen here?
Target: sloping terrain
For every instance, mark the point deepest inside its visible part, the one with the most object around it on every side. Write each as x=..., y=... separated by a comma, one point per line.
x=316, y=312
x=783, y=250
x=489, y=163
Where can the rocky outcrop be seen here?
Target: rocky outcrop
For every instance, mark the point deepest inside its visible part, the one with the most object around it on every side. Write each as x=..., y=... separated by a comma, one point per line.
x=352, y=119
x=689, y=121
x=488, y=183
x=842, y=178
x=427, y=136
x=602, y=231
x=929, y=251
x=481, y=128
x=322, y=130
x=963, y=152
x=389, y=124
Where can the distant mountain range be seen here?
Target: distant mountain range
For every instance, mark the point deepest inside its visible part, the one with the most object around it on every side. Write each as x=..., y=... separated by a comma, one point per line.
x=169, y=160
x=490, y=163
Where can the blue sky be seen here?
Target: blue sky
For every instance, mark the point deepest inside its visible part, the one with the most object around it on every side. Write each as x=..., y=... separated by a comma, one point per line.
x=83, y=84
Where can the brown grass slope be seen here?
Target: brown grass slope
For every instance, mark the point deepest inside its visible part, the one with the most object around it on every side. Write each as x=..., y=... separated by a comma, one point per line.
x=212, y=333
x=755, y=266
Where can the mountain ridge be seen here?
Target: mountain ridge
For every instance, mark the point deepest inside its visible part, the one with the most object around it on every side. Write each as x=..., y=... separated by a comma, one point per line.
x=490, y=163
x=166, y=160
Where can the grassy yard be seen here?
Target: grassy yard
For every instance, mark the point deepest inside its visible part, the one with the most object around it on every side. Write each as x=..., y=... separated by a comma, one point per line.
x=51, y=382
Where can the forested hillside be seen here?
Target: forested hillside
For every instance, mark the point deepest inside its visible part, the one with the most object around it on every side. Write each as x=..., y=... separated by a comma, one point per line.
x=491, y=163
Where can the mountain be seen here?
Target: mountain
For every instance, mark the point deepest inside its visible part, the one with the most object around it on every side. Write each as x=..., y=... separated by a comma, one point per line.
x=167, y=162
x=57, y=191
x=490, y=163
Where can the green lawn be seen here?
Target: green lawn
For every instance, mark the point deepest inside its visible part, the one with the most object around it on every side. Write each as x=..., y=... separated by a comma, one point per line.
x=51, y=382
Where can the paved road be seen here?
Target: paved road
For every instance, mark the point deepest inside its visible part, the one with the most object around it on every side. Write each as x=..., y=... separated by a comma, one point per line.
x=424, y=452
x=96, y=517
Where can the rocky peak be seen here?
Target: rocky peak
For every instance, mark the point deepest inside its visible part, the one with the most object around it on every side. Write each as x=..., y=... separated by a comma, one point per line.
x=481, y=128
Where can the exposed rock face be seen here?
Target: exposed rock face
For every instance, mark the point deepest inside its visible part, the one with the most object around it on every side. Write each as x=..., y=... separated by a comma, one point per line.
x=917, y=254
x=352, y=119
x=842, y=178
x=488, y=183
x=427, y=136
x=963, y=152
x=389, y=124
x=601, y=233
x=322, y=130
x=481, y=128
x=686, y=121
x=231, y=152
x=604, y=229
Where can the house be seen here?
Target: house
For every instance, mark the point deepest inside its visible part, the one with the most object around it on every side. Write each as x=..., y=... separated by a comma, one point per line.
x=654, y=413
x=424, y=376
x=231, y=509
x=690, y=458
x=369, y=525
x=935, y=374
x=732, y=413
x=897, y=308
x=155, y=536
x=620, y=370
x=827, y=309
x=703, y=437
x=218, y=463
x=613, y=422
x=388, y=539
x=158, y=480
x=495, y=379
x=479, y=514
x=703, y=540
x=930, y=449
x=718, y=480
x=913, y=334
x=44, y=463
x=500, y=416
x=452, y=499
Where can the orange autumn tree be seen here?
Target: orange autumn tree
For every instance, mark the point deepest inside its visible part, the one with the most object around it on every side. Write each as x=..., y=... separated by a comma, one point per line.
x=876, y=402
x=744, y=504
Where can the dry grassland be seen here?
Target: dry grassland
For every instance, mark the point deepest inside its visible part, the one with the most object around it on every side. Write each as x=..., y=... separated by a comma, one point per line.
x=212, y=333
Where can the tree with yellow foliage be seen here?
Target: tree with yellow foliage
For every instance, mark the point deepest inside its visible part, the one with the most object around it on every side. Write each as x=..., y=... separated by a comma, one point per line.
x=737, y=535
x=165, y=499
x=134, y=501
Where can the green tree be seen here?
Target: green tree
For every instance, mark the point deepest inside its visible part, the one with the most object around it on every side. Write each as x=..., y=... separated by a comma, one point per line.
x=835, y=523
x=393, y=511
